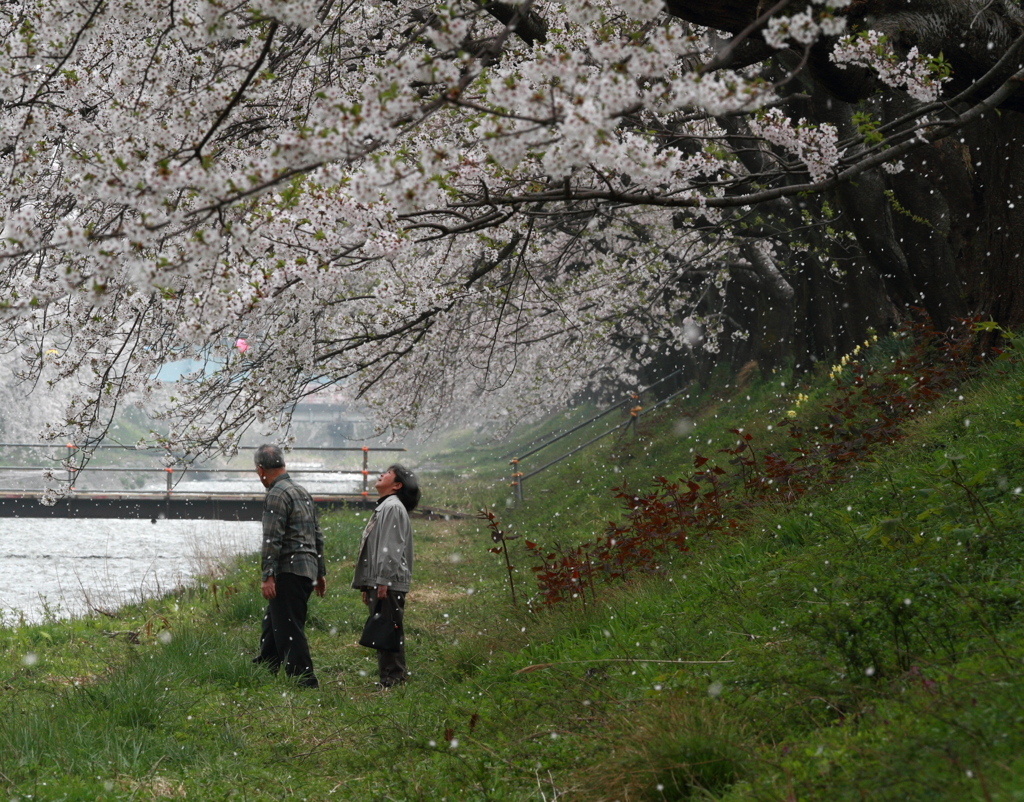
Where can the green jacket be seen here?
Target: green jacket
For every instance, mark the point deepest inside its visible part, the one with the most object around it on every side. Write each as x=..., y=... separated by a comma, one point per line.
x=292, y=540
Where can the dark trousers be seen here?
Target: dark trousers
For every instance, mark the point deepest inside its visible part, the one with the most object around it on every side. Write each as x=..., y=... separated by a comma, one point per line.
x=391, y=665
x=283, y=639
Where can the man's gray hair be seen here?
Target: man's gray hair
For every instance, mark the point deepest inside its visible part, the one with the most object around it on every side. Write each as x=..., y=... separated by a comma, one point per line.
x=269, y=456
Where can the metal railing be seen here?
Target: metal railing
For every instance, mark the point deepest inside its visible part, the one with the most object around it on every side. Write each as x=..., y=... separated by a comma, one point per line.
x=635, y=398
x=175, y=475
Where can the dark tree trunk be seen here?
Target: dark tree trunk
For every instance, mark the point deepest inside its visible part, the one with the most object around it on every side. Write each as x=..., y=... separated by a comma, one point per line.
x=921, y=217
x=991, y=265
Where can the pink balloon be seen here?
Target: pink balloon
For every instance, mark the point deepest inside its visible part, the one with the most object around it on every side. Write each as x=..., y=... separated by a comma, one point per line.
x=241, y=345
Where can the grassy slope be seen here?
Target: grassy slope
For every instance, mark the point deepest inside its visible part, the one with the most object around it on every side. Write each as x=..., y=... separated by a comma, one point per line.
x=864, y=643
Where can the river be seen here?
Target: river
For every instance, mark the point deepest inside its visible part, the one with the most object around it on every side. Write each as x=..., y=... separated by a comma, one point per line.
x=71, y=566
x=63, y=566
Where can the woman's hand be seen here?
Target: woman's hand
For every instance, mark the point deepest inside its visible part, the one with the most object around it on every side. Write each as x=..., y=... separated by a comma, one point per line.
x=382, y=591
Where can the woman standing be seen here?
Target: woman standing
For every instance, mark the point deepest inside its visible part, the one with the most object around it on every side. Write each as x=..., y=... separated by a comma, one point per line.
x=384, y=564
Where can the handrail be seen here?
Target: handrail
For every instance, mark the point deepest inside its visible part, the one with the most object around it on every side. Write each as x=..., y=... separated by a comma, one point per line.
x=140, y=469
x=518, y=477
x=599, y=415
x=575, y=428
x=535, y=471
x=163, y=449
x=72, y=471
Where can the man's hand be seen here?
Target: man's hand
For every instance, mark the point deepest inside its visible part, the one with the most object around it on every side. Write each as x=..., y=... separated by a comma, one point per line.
x=269, y=588
x=320, y=588
x=382, y=591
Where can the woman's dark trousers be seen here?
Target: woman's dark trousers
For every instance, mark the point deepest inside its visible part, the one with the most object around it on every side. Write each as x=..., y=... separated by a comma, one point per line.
x=391, y=665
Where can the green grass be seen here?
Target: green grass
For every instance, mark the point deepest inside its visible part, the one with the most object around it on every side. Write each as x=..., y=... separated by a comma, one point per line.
x=863, y=643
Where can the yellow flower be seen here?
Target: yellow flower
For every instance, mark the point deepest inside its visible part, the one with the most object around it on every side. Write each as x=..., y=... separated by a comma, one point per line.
x=791, y=413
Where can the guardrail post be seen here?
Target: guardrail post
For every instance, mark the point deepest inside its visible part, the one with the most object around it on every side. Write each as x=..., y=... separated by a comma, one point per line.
x=170, y=479
x=71, y=471
x=366, y=471
x=517, y=480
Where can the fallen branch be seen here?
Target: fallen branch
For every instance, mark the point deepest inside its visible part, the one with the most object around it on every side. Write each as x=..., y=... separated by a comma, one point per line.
x=539, y=666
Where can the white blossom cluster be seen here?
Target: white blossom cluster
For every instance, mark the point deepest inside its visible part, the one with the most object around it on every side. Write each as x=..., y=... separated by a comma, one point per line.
x=815, y=146
x=807, y=26
x=916, y=73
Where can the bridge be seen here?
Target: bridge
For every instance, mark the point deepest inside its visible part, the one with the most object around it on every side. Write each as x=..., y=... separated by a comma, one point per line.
x=155, y=506
x=183, y=491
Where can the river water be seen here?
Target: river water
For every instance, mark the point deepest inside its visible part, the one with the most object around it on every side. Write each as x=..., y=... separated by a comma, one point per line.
x=64, y=566
x=71, y=566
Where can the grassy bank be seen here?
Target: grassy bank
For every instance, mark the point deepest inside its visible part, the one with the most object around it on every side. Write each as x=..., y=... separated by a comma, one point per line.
x=859, y=641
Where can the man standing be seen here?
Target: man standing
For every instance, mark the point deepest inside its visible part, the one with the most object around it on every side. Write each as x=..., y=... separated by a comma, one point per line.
x=384, y=564
x=293, y=566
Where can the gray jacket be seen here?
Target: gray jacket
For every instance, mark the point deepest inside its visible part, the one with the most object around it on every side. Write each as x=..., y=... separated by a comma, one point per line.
x=385, y=551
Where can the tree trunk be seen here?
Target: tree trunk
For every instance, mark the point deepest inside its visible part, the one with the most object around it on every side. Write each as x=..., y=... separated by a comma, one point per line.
x=991, y=265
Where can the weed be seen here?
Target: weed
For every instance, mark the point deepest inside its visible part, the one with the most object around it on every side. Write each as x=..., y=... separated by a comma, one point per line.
x=677, y=748
x=498, y=536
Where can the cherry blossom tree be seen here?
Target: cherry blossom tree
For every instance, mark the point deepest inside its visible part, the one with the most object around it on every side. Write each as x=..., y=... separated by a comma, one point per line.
x=467, y=207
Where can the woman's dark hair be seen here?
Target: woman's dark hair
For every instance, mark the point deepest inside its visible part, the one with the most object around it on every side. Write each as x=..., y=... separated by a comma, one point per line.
x=409, y=492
